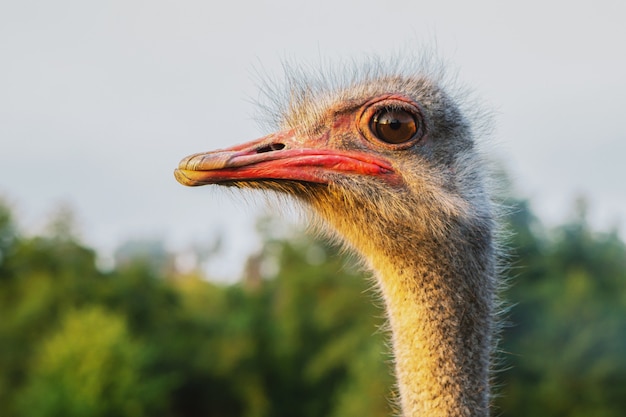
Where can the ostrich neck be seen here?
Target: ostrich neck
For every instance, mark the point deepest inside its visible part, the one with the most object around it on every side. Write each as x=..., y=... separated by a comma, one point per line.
x=441, y=337
x=439, y=305
x=433, y=254
x=439, y=297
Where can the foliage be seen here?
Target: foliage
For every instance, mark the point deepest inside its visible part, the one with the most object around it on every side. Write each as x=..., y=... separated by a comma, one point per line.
x=567, y=342
x=300, y=334
x=88, y=367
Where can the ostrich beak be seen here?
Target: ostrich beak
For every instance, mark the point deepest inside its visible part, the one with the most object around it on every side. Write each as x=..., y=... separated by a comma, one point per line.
x=280, y=156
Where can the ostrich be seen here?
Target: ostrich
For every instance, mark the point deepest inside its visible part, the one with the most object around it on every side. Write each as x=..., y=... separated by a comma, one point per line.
x=388, y=164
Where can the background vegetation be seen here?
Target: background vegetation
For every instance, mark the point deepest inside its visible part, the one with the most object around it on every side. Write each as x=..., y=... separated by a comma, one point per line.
x=298, y=335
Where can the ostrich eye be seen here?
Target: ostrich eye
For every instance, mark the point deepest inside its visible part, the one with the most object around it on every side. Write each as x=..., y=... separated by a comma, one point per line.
x=394, y=126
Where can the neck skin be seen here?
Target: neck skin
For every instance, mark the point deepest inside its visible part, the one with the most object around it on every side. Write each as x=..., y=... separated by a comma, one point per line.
x=433, y=255
x=441, y=334
x=438, y=287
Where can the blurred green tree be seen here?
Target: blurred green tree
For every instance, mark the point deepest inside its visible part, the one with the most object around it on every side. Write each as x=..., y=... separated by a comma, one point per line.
x=90, y=366
x=324, y=347
x=39, y=278
x=298, y=335
x=567, y=340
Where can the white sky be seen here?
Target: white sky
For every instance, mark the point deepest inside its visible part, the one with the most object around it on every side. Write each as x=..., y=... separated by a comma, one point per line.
x=100, y=100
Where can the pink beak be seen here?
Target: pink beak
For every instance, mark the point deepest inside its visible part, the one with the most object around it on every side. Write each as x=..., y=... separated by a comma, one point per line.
x=280, y=156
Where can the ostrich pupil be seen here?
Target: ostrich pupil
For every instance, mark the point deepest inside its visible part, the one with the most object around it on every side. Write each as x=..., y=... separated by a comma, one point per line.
x=394, y=126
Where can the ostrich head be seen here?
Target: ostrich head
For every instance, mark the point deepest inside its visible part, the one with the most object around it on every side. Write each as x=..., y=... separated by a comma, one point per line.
x=388, y=162
x=386, y=150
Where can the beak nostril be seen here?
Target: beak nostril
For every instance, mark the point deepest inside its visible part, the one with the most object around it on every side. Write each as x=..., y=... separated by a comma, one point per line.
x=271, y=147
